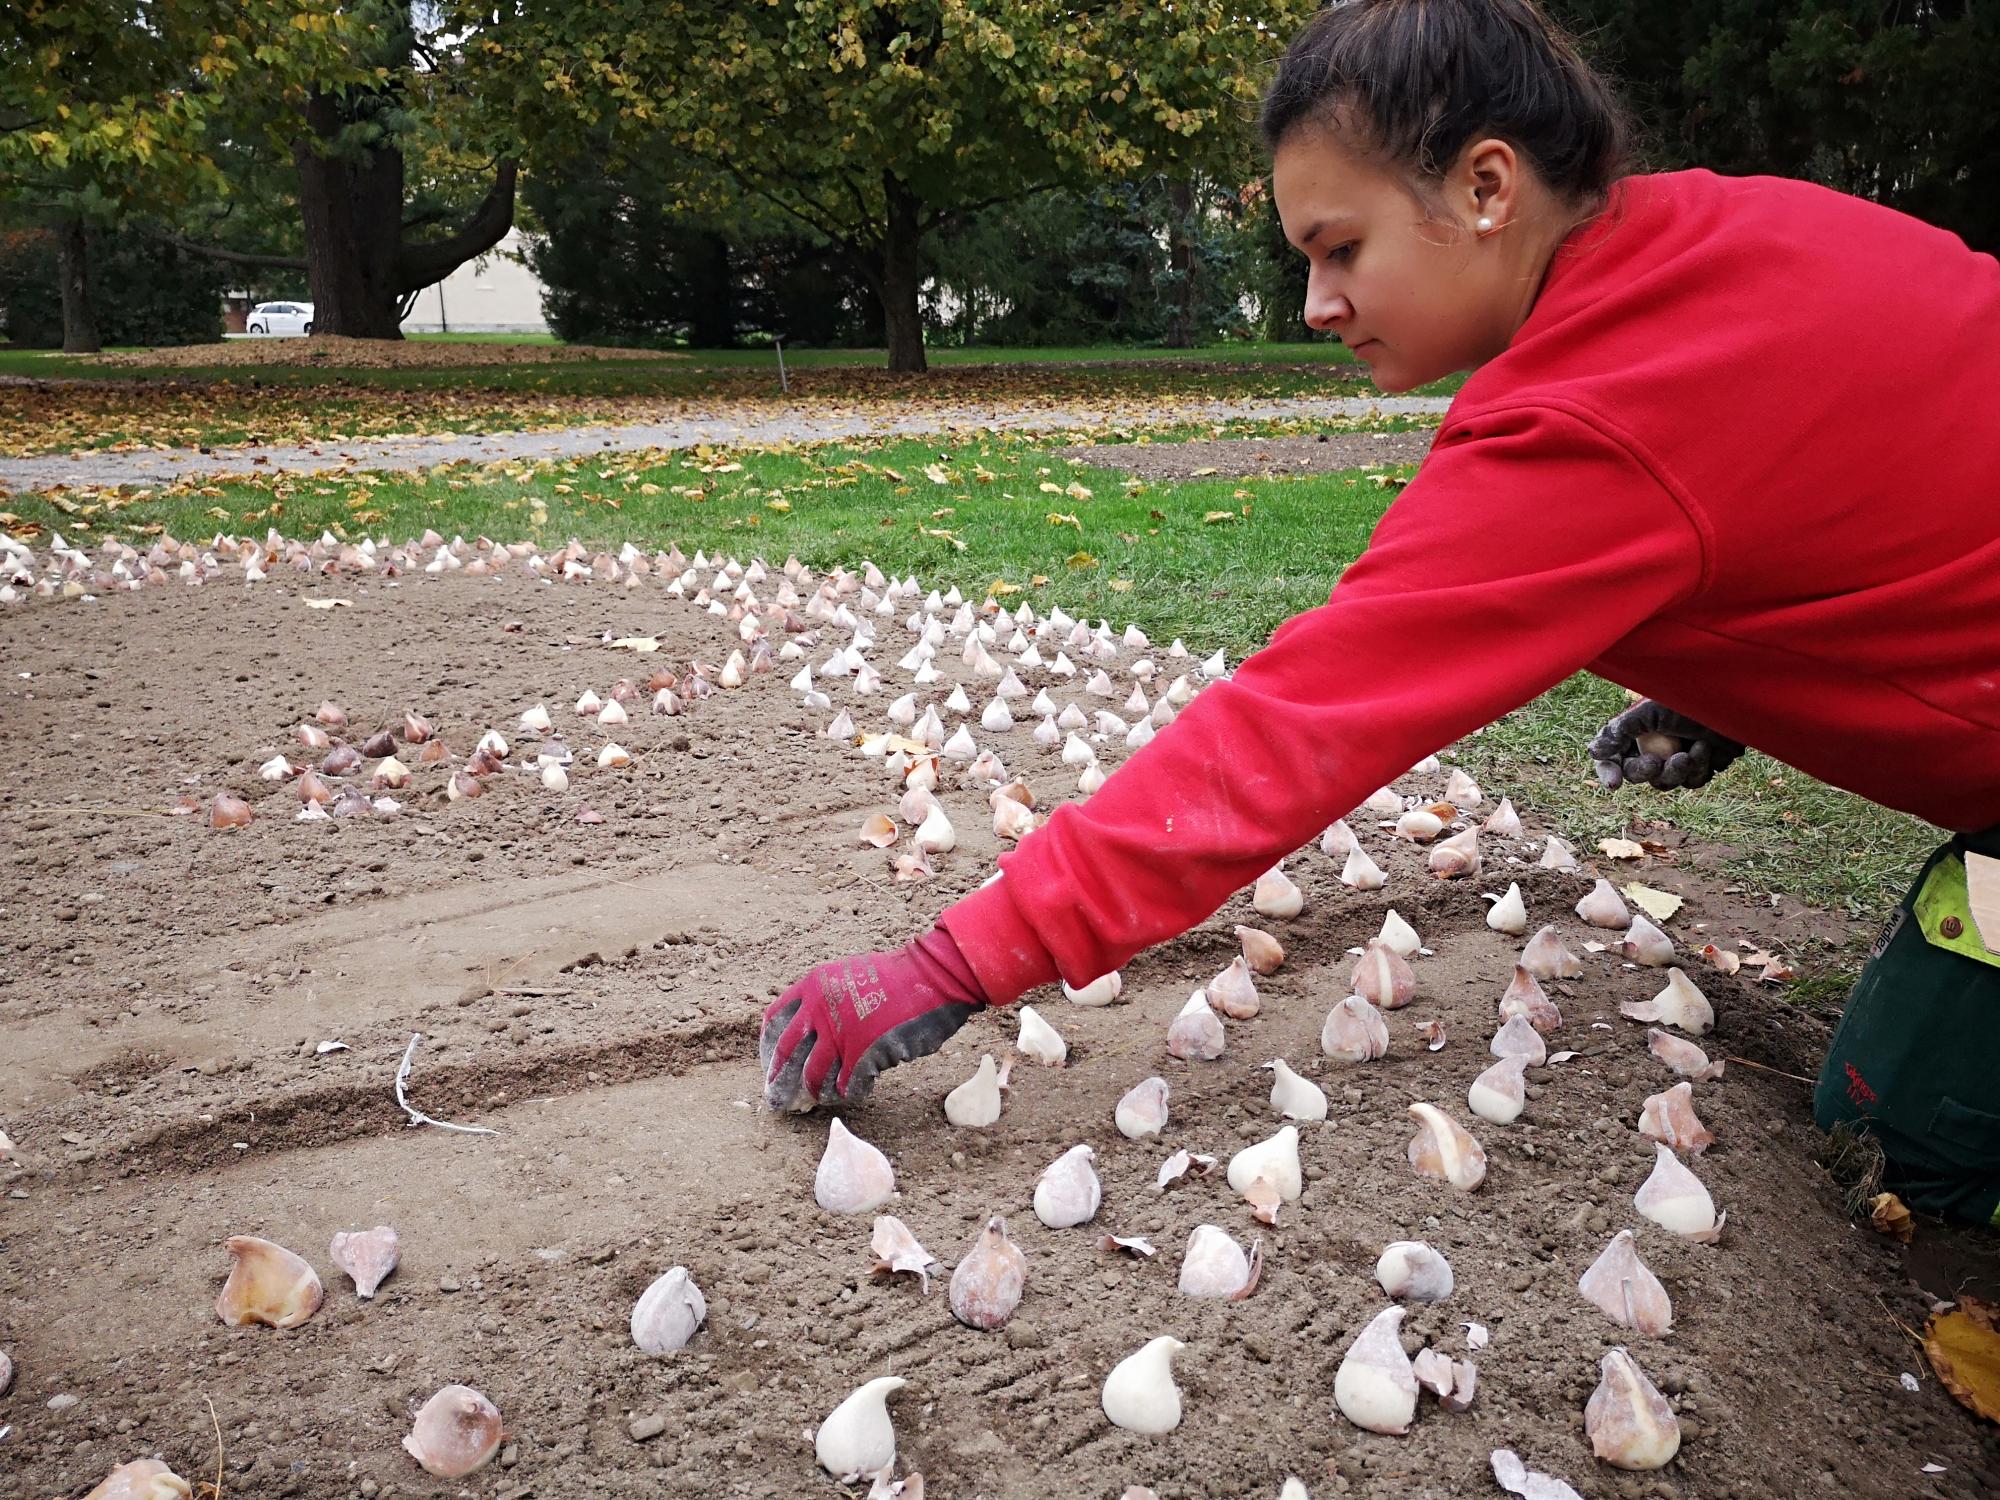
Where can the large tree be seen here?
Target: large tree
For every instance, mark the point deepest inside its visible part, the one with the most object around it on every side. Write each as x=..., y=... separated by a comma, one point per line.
x=871, y=124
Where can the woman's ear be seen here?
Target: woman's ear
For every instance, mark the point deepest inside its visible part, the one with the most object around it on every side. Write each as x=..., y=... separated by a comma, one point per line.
x=1487, y=184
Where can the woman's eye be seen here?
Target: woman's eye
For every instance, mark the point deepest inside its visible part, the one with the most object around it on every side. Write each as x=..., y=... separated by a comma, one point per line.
x=1341, y=253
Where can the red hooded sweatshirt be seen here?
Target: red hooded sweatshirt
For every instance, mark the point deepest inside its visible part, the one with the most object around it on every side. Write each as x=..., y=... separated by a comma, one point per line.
x=1743, y=457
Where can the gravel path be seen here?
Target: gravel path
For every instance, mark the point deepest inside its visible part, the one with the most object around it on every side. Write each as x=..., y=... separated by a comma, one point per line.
x=163, y=466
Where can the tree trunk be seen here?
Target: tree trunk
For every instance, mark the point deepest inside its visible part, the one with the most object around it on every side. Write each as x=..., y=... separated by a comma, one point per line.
x=1180, y=265
x=902, y=272
x=73, y=273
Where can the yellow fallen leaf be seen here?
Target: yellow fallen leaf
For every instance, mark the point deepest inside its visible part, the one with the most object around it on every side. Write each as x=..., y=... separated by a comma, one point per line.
x=641, y=643
x=1001, y=587
x=1050, y=489
x=935, y=474
x=1659, y=905
x=778, y=505
x=1076, y=491
x=1121, y=585
x=329, y=604
x=1621, y=849
x=1038, y=580
x=1057, y=518
x=1217, y=517
x=1203, y=473
x=1081, y=560
x=1964, y=1349
x=892, y=474
x=1888, y=1214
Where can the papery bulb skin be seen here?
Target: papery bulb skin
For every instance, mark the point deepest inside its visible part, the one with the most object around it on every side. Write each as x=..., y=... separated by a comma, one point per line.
x=1069, y=1192
x=1262, y=952
x=1627, y=1420
x=858, y=1437
x=1196, y=1034
x=1233, y=991
x=1140, y=1394
x=1518, y=1038
x=1455, y=857
x=1669, y=1117
x=1362, y=873
x=1646, y=944
x=141, y=1479
x=1674, y=1198
x=1619, y=1285
x=1683, y=1056
x=878, y=829
x=1445, y=1149
x=367, y=1255
x=986, y=1287
x=1354, y=1032
x=1294, y=1097
x=1375, y=1388
x=1143, y=1110
x=1276, y=896
x=1039, y=1040
x=1410, y=1270
x=975, y=1103
x=1275, y=1160
x=1525, y=998
x=1214, y=1265
x=267, y=1284
x=1681, y=1004
x=1383, y=977
x=1500, y=1093
x=897, y=1250
x=455, y=1432
x=1509, y=914
x=1603, y=907
x=853, y=1176
x=668, y=1312
x=1545, y=957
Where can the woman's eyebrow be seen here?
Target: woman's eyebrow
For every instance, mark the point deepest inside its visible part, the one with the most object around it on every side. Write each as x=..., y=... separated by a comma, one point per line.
x=1336, y=221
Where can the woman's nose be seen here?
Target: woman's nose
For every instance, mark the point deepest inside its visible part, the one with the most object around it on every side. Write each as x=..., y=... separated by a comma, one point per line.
x=1325, y=308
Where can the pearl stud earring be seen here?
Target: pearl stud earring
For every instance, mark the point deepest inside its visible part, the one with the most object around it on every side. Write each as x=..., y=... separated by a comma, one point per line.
x=1484, y=225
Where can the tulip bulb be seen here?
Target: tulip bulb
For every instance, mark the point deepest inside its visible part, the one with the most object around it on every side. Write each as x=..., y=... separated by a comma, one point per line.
x=1233, y=991
x=277, y=768
x=1091, y=780
x=1140, y=1394
x=1399, y=935
x=1504, y=822
x=1519, y=1038
x=1375, y=1388
x=589, y=704
x=1510, y=913
x=1619, y=1286
x=1524, y=998
x=1669, y=1117
x=141, y=1479
x=858, y=1437
x=1362, y=873
x=1262, y=952
x=1011, y=820
x=1069, y=1192
x=1499, y=1093
x=1412, y=1270
x=1517, y=1478
x=368, y=1256
x=1276, y=896
x=455, y=1432
x=1214, y=1265
x=668, y=1312
x=1460, y=790
x=1445, y=1149
x=1627, y=1420
x=1557, y=855
x=228, y=812
x=613, y=757
x=331, y=714
x=853, y=1176
x=1100, y=991
x=554, y=777
x=1143, y=1110
x=537, y=721
x=1680, y=1004
x=1545, y=957
x=1039, y=1039
x=986, y=1287
x=1354, y=1032
x=1294, y=1097
x=1683, y=1056
x=1338, y=840
x=1644, y=943
x=1275, y=1161
x=1419, y=825
x=267, y=1284
x=312, y=737
x=896, y=1250
x=1603, y=907
x=935, y=835
x=1383, y=977
x=1196, y=1033
x=1673, y=1198
x=975, y=1103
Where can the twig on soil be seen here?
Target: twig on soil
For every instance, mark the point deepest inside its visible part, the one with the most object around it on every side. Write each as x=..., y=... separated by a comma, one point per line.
x=1767, y=1068
x=212, y=1490
x=531, y=990
x=417, y=1116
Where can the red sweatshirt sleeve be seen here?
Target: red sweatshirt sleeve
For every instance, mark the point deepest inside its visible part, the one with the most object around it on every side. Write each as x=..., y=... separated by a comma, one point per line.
x=1529, y=543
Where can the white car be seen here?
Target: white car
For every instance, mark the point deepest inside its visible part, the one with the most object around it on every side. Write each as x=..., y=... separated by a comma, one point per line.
x=280, y=317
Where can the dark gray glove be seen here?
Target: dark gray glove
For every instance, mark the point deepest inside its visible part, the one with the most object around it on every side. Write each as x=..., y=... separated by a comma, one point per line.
x=1649, y=742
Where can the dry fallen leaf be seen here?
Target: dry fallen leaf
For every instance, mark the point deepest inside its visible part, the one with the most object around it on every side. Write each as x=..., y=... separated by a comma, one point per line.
x=1964, y=1349
x=1889, y=1215
x=1722, y=958
x=1621, y=849
x=1659, y=905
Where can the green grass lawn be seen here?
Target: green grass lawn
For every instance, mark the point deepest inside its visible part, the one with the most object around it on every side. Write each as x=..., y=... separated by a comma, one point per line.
x=1219, y=561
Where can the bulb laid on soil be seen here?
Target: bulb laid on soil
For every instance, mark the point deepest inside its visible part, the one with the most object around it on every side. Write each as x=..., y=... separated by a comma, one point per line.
x=1627, y=1420
x=1400, y=936
x=1646, y=944
x=1510, y=913
x=1039, y=1040
x=456, y=1431
x=1354, y=1032
x=1412, y=1270
x=853, y=1176
x=1375, y=1387
x=1669, y=1117
x=1545, y=957
x=1603, y=907
x=1383, y=977
x=1069, y=1192
x=1233, y=991
x=367, y=1255
x=1338, y=840
x=986, y=1287
x=1455, y=857
x=1503, y=822
x=1674, y=1198
x=1518, y=1038
x=1101, y=991
x=141, y=1479
x=1362, y=873
x=267, y=1284
x=1681, y=1004
x=1276, y=896
x=1143, y=1110
x=1445, y=1149
x=1500, y=1094
x=1214, y=1265
x=1262, y=952
x=1294, y=1097
x=1525, y=998
x=858, y=1437
x=668, y=1312
x=1140, y=1394
x=975, y=1103
x=1619, y=1286
x=1196, y=1033
x=1275, y=1160
x=896, y=1250
x=1683, y=1056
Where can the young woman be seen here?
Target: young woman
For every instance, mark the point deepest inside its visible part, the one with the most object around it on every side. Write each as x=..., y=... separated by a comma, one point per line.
x=1731, y=442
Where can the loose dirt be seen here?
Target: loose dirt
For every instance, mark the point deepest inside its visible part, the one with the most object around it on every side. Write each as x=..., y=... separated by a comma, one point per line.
x=370, y=354
x=592, y=993
x=1246, y=458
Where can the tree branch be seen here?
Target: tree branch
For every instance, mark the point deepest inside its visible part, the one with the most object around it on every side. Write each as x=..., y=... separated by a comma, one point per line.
x=945, y=215
x=420, y=264
x=232, y=257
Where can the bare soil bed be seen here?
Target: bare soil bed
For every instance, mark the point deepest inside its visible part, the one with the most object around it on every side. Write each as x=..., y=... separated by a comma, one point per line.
x=592, y=993
x=1245, y=458
x=375, y=354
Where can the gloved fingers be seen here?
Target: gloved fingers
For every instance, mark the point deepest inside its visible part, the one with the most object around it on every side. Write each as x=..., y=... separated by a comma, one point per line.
x=1613, y=741
x=822, y=1056
x=1723, y=753
x=1642, y=767
x=1675, y=771
x=777, y=1021
x=918, y=1037
x=784, y=1085
x=1609, y=772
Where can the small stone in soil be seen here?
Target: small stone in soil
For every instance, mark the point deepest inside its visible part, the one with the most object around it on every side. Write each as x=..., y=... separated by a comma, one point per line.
x=647, y=1427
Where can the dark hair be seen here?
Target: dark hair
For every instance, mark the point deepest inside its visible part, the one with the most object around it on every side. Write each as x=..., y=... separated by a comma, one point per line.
x=1410, y=82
